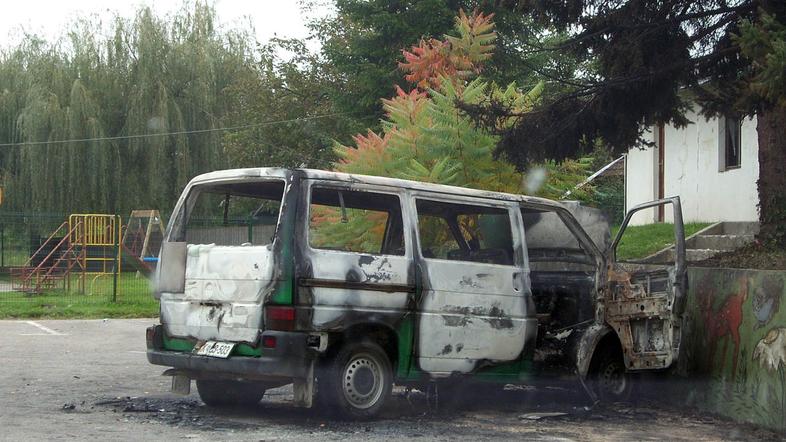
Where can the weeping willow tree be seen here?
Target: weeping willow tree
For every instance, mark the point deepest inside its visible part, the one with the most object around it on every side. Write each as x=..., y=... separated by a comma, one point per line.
x=129, y=103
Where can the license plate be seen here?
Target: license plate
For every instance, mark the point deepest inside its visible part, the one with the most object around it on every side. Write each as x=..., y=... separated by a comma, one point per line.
x=215, y=349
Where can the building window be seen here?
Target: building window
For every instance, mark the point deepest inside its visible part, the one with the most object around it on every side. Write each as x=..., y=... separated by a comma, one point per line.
x=731, y=144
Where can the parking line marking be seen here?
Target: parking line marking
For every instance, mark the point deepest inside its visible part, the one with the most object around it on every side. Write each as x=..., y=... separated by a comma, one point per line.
x=44, y=328
x=137, y=351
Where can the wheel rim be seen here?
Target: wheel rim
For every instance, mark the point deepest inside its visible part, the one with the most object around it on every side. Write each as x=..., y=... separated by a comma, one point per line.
x=613, y=379
x=363, y=380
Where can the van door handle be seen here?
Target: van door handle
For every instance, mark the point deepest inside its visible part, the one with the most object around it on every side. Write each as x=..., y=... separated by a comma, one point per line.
x=516, y=281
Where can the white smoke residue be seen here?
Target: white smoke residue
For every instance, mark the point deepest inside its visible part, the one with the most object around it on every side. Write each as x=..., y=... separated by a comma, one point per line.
x=534, y=180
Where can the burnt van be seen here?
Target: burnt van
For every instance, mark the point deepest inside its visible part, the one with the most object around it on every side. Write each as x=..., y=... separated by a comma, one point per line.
x=344, y=285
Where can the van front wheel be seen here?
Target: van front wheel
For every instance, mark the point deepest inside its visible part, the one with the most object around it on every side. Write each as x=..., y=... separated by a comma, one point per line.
x=358, y=381
x=612, y=382
x=221, y=393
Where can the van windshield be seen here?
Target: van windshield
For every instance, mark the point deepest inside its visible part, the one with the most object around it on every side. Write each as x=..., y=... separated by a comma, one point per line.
x=232, y=214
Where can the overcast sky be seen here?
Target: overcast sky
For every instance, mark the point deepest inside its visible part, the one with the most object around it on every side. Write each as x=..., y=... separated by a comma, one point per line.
x=49, y=18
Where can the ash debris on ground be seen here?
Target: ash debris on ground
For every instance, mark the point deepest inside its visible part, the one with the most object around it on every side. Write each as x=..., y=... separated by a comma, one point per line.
x=512, y=411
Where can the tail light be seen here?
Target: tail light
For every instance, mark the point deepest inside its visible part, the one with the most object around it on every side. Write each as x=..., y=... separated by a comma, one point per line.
x=154, y=337
x=280, y=317
x=269, y=341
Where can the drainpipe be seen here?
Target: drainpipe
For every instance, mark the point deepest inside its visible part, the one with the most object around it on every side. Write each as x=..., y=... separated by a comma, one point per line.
x=592, y=177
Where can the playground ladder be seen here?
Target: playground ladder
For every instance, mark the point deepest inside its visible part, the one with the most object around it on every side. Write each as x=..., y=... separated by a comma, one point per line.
x=48, y=274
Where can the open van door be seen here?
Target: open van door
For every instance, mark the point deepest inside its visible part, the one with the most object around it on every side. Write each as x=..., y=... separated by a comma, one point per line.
x=644, y=298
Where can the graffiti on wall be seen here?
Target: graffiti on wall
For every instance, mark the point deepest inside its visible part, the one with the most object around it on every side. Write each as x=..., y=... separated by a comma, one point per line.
x=723, y=324
x=766, y=300
x=735, y=344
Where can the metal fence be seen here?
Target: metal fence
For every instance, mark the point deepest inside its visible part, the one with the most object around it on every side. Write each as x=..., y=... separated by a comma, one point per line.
x=63, y=265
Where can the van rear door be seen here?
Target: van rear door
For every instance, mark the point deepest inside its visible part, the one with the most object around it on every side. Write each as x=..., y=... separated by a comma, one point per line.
x=645, y=298
x=221, y=245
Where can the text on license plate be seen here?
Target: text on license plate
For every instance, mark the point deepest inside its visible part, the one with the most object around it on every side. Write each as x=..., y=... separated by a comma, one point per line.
x=215, y=349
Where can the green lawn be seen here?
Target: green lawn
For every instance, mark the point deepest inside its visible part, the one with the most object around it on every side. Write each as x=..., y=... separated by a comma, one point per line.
x=69, y=307
x=134, y=300
x=641, y=241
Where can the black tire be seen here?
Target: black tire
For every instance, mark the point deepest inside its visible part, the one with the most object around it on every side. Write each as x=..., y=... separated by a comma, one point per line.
x=610, y=380
x=222, y=393
x=356, y=383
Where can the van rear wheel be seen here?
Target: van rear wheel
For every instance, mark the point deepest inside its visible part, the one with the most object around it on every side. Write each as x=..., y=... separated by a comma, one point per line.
x=222, y=393
x=357, y=382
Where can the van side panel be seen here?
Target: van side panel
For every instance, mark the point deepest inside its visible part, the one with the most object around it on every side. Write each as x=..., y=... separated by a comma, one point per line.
x=471, y=314
x=338, y=289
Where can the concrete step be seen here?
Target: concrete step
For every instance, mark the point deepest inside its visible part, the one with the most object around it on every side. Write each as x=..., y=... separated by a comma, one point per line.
x=712, y=240
x=738, y=228
x=719, y=242
x=694, y=255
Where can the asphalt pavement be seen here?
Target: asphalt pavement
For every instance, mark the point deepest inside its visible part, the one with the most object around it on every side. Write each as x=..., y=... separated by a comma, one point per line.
x=89, y=379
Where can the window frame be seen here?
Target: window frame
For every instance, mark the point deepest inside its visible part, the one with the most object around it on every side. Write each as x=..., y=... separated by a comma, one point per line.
x=582, y=247
x=723, y=145
x=177, y=229
x=514, y=219
x=339, y=186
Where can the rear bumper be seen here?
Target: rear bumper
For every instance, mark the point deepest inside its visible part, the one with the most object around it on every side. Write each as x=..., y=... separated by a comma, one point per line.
x=291, y=358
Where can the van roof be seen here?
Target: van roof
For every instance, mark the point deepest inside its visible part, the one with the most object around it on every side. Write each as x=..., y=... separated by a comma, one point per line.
x=221, y=175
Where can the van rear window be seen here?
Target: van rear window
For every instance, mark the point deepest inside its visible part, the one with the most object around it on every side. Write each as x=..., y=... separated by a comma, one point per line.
x=233, y=214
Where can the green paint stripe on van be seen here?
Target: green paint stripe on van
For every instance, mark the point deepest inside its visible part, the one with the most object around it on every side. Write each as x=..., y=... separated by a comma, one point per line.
x=177, y=344
x=514, y=371
x=246, y=350
x=406, y=337
x=285, y=234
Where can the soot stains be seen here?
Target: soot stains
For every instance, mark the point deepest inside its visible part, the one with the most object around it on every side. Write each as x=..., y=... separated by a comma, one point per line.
x=352, y=275
x=365, y=260
x=380, y=268
x=460, y=316
x=446, y=350
x=498, y=319
x=456, y=321
x=466, y=281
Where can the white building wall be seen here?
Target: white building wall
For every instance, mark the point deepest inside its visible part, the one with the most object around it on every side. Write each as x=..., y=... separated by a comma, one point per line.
x=641, y=180
x=692, y=171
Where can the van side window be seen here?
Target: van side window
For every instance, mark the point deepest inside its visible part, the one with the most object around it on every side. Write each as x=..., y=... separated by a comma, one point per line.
x=355, y=221
x=463, y=232
x=436, y=241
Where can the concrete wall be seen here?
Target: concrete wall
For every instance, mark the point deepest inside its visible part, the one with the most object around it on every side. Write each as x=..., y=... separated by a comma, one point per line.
x=734, y=345
x=692, y=163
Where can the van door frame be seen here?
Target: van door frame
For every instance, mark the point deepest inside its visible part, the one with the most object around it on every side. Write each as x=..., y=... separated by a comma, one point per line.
x=628, y=300
x=309, y=284
x=517, y=271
